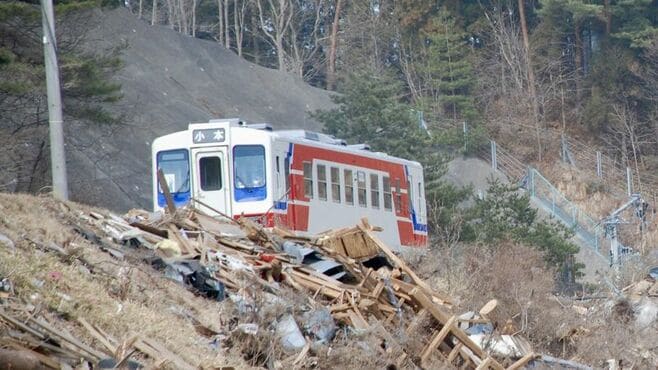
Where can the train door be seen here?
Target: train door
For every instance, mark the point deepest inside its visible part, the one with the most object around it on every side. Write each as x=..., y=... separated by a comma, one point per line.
x=211, y=181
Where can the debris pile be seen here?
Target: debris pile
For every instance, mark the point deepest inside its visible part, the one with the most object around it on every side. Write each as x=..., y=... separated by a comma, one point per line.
x=354, y=279
x=349, y=281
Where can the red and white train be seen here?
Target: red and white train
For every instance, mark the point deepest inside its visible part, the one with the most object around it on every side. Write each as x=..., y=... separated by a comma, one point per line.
x=302, y=180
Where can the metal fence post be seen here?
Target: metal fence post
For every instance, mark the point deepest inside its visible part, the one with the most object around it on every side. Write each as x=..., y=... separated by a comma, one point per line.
x=494, y=161
x=573, y=215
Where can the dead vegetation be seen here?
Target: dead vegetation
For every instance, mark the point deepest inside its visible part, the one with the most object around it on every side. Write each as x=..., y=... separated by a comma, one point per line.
x=66, y=268
x=597, y=324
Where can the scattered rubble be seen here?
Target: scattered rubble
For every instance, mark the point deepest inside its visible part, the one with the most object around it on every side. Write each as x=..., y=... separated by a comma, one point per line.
x=348, y=282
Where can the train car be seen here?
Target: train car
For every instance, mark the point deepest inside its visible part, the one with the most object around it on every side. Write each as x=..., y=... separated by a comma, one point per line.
x=305, y=181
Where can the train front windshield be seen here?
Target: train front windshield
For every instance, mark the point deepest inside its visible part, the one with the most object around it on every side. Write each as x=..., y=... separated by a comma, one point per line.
x=249, y=173
x=176, y=167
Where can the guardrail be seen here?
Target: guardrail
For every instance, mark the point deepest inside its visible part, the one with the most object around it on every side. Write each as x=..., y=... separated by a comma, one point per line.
x=547, y=196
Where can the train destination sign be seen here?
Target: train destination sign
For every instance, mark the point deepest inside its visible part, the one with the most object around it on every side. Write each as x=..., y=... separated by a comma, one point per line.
x=212, y=135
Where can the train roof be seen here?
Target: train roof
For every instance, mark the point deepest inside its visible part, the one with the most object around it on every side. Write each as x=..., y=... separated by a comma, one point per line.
x=329, y=142
x=305, y=137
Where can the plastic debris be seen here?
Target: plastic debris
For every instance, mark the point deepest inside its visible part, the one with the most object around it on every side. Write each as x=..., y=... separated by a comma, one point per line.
x=291, y=337
x=320, y=324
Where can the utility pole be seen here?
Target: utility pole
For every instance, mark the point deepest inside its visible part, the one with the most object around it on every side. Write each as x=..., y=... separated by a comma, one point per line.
x=57, y=154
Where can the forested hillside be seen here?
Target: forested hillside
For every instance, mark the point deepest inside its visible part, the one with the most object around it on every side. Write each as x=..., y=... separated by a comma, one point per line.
x=587, y=66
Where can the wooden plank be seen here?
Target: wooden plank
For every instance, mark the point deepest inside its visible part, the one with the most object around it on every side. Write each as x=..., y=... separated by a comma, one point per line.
x=520, y=363
x=21, y=326
x=436, y=340
x=150, y=229
x=442, y=318
x=484, y=364
x=158, y=352
x=174, y=234
x=98, y=336
x=455, y=351
x=64, y=335
x=403, y=266
x=171, y=207
x=357, y=321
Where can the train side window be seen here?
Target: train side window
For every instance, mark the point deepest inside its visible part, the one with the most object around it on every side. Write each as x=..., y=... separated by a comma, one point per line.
x=335, y=184
x=210, y=173
x=388, y=201
x=374, y=190
x=322, y=182
x=398, y=196
x=361, y=183
x=349, y=187
x=308, y=180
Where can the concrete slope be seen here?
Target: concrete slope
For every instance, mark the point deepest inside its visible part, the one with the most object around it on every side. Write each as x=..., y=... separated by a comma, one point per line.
x=476, y=172
x=169, y=80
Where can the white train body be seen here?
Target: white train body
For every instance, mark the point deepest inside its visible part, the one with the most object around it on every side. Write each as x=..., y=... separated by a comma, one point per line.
x=300, y=180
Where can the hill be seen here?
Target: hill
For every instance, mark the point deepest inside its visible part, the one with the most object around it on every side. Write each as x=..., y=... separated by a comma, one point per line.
x=169, y=80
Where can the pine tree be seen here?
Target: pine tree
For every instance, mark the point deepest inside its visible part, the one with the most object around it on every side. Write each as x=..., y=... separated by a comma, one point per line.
x=448, y=72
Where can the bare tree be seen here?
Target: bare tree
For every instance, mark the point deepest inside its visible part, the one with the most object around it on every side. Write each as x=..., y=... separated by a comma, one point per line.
x=239, y=12
x=293, y=29
x=220, y=18
x=154, y=12
x=629, y=136
x=227, y=36
x=333, y=46
x=531, y=76
x=275, y=21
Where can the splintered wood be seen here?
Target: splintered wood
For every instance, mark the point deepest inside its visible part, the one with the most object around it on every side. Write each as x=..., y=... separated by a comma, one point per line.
x=329, y=269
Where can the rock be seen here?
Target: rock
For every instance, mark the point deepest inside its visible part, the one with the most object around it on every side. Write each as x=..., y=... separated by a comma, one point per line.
x=4, y=240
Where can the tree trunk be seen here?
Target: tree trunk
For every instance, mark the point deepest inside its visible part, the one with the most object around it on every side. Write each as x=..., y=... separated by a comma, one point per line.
x=154, y=12
x=183, y=26
x=227, y=37
x=220, y=17
x=194, y=3
x=333, y=45
x=236, y=28
x=254, y=38
x=170, y=14
x=578, y=60
x=281, y=60
x=531, y=76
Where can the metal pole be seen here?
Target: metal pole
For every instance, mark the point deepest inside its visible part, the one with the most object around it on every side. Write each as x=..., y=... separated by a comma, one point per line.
x=57, y=154
x=494, y=161
x=465, y=137
x=629, y=185
x=599, y=170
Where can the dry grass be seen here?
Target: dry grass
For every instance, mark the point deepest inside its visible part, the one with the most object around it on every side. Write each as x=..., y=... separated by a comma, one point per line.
x=121, y=297
x=515, y=276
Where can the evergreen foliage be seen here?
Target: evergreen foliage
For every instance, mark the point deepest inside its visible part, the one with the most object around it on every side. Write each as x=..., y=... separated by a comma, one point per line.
x=448, y=71
x=84, y=78
x=506, y=214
